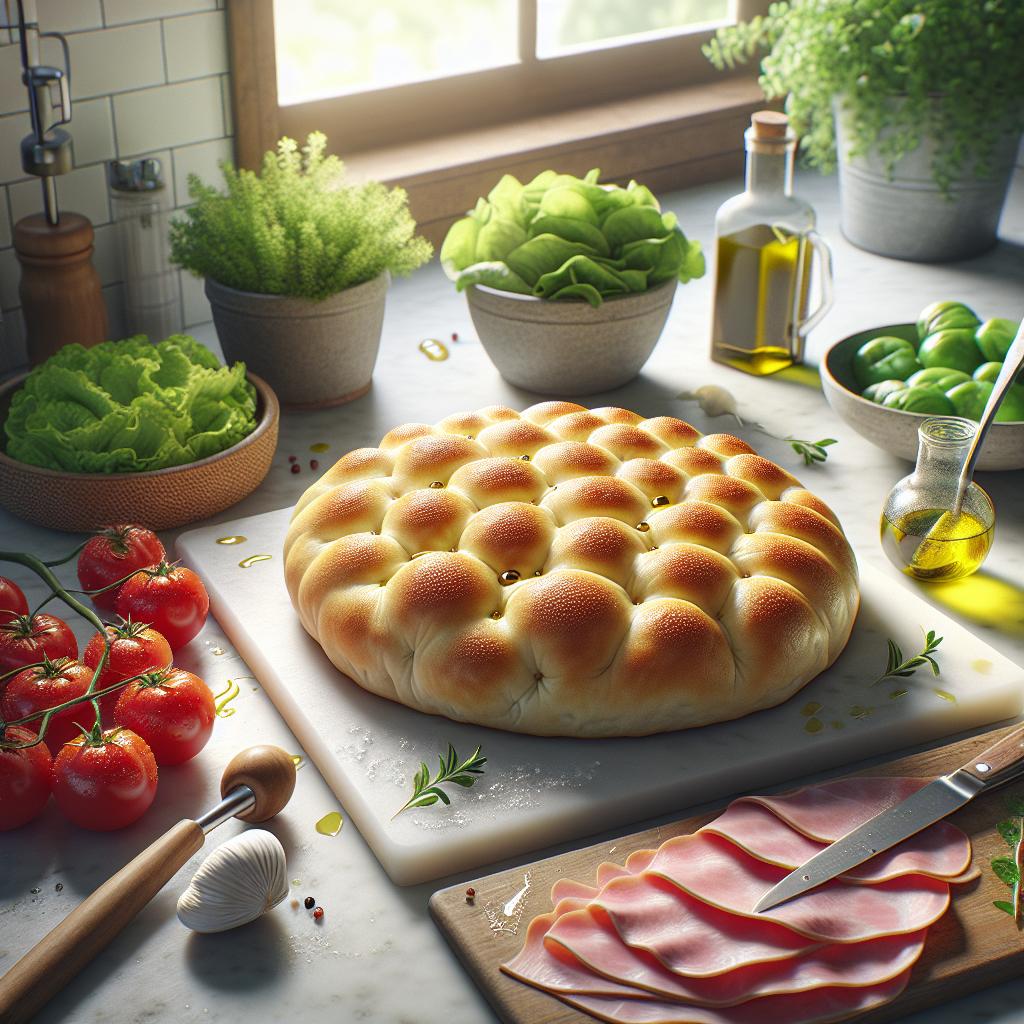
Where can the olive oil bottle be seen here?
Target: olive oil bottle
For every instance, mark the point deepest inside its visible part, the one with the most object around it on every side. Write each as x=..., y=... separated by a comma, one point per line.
x=920, y=533
x=765, y=241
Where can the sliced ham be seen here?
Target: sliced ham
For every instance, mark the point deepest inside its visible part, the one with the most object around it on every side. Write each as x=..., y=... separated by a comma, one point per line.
x=941, y=850
x=815, y=1007
x=586, y=956
x=670, y=937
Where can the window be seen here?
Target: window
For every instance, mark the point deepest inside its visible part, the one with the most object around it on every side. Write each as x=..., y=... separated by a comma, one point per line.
x=416, y=91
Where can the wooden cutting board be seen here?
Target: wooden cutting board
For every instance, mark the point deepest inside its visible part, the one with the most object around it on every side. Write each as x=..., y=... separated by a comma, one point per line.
x=974, y=945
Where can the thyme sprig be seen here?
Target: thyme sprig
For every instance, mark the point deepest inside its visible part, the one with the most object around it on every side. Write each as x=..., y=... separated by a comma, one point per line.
x=427, y=791
x=897, y=665
x=1010, y=869
x=812, y=451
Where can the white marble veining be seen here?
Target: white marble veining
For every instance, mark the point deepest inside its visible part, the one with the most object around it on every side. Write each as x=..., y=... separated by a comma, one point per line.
x=376, y=956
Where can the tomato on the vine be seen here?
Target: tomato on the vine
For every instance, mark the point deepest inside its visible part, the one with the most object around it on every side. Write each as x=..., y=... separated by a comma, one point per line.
x=173, y=711
x=104, y=781
x=43, y=687
x=112, y=555
x=24, y=778
x=12, y=600
x=25, y=641
x=171, y=598
x=135, y=648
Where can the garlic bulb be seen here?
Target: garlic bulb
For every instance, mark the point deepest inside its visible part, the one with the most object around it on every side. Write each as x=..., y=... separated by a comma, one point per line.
x=241, y=880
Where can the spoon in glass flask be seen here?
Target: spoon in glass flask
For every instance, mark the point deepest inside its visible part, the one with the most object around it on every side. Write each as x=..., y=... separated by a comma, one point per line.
x=937, y=524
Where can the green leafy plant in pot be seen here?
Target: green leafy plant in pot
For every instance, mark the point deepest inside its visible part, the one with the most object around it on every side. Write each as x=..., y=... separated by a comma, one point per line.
x=922, y=101
x=569, y=281
x=297, y=263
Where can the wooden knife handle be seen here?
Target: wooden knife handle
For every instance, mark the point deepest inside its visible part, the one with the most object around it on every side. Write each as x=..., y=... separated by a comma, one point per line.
x=46, y=968
x=995, y=763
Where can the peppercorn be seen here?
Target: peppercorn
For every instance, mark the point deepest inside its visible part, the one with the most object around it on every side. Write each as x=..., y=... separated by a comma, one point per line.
x=455, y=336
x=309, y=902
x=314, y=464
x=295, y=467
x=470, y=894
x=318, y=914
x=292, y=458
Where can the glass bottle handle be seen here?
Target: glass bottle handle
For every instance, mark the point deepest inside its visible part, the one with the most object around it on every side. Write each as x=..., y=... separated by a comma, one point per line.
x=819, y=245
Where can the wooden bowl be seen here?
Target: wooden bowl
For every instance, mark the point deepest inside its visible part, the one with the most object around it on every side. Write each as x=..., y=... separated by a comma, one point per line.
x=895, y=430
x=159, y=499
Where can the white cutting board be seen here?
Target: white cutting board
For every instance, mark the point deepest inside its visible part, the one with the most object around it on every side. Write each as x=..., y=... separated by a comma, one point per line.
x=539, y=791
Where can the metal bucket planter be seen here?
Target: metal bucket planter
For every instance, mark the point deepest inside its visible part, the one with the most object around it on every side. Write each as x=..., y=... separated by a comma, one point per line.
x=313, y=354
x=907, y=216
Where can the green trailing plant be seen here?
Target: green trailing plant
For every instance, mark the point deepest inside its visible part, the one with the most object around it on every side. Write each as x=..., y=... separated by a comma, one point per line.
x=297, y=228
x=901, y=69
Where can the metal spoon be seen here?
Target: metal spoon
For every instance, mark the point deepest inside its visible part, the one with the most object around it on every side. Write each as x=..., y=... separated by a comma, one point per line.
x=1012, y=364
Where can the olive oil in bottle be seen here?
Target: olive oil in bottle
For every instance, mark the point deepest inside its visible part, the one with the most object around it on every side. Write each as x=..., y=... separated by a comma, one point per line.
x=933, y=544
x=920, y=533
x=764, y=245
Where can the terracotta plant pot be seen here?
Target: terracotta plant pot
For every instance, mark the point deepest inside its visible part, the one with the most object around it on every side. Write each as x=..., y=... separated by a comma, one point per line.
x=313, y=354
x=569, y=347
x=160, y=499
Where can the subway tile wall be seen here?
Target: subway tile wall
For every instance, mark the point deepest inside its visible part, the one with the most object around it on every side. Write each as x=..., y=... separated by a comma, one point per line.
x=149, y=78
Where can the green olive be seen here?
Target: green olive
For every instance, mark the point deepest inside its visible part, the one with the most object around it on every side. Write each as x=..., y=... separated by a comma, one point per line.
x=884, y=358
x=942, y=315
x=953, y=348
x=926, y=398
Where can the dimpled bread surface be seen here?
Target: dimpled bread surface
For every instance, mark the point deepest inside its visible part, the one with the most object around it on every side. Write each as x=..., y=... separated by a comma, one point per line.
x=570, y=572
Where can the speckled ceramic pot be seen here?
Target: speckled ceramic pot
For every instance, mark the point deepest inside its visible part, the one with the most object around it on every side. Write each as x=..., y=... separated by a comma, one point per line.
x=313, y=354
x=569, y=347
x=895, y=430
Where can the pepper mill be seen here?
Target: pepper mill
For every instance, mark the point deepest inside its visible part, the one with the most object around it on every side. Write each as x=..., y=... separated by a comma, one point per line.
x=61, y=296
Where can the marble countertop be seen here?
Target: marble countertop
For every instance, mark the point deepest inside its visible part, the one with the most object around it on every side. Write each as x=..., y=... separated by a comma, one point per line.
x=376, y=955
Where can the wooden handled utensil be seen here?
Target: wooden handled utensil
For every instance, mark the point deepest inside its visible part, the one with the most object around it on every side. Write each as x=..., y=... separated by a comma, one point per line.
x=256, y=785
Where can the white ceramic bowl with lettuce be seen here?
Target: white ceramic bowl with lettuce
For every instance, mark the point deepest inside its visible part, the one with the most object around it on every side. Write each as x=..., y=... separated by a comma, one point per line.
x=569, y=281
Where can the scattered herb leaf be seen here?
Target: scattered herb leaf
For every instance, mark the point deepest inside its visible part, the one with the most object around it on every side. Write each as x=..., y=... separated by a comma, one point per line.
x=812, y=451
x=427, y=791
x=896, y=665
x=1010, y=869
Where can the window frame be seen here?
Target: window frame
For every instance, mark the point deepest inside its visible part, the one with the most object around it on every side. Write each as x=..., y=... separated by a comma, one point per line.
x=634, y=110
x=416, y=111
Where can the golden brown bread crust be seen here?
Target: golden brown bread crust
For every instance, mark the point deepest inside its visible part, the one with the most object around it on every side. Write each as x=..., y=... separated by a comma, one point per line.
x=570, y=571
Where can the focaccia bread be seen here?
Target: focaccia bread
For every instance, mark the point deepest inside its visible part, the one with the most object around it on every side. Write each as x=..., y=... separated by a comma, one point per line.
x=570, y=572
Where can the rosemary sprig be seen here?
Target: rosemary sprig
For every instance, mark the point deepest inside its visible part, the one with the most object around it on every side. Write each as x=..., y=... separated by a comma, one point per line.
x=812, y=451
x=898, y=666
x=427, y=791
x=1010, y=869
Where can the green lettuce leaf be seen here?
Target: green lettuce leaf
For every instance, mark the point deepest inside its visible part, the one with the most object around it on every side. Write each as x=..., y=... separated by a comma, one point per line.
x=562, y=237
x=129, y=406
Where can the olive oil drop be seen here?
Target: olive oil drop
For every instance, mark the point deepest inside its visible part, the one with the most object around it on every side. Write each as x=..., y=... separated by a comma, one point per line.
x=765, y=241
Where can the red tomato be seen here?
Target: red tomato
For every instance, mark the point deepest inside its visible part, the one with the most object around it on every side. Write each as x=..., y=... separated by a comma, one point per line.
x=105, y=783
x=134, y=648
x=12, y=600
x=46, y=686
x=24, y=641
x=112, y=555
x=24, y=779
x=171, y=598
x=172, y=711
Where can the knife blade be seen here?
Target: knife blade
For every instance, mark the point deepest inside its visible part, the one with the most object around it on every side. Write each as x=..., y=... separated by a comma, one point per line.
x=999, y=763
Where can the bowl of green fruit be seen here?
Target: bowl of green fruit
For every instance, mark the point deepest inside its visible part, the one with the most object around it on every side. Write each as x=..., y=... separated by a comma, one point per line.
x=886, y=381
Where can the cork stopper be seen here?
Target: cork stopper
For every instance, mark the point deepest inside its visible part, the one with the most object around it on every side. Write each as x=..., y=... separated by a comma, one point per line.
x=769, y=126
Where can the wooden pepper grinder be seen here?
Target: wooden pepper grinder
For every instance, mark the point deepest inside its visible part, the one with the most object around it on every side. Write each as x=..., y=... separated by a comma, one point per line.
x=61, y=296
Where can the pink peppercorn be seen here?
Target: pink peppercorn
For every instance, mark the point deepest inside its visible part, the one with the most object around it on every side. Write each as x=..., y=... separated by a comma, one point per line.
x=318, y=914
x=295, y=467
x=314, y=464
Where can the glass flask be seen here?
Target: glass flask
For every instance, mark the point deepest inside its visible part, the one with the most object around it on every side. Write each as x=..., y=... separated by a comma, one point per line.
x=764, y=246
x=142, y=211
x=919, y=532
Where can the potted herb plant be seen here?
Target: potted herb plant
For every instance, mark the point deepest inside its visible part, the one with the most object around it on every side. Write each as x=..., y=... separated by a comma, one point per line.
x=923, y=99
x=297, y=263
x=569, y=281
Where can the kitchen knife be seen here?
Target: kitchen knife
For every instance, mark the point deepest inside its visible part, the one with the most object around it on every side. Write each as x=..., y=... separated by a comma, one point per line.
x=1000, y=763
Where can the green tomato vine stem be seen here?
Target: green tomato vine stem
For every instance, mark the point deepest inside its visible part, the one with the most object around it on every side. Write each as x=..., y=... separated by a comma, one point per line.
x=46, y=574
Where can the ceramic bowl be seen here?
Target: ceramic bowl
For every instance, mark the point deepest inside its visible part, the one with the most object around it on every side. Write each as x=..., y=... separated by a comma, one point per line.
x=569, y=348
x=159, y=499
x=894, y=430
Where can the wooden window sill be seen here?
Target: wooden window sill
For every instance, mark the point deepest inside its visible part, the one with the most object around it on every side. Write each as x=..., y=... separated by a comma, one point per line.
x=667, y=140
